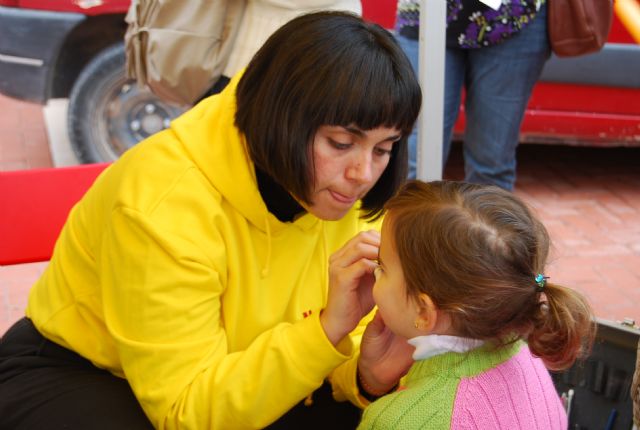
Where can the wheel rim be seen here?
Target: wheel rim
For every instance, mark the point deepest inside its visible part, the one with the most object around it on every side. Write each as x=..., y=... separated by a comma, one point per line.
x=128, y=115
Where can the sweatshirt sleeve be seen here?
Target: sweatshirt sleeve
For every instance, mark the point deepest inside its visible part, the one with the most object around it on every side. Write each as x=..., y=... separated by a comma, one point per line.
x=162, y=305
x=343, y=378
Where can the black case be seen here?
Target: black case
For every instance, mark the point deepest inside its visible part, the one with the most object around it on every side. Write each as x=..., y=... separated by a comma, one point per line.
x=601, y=384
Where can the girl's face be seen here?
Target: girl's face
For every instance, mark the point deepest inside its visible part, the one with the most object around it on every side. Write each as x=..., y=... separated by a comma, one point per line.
x=347, y=162
x=398, y=311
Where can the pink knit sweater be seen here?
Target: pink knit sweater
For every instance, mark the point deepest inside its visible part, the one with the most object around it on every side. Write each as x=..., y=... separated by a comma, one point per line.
x=517, y=394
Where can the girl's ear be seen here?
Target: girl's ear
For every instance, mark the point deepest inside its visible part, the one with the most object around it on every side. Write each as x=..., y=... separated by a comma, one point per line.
x=427, y=317
x=430, y=319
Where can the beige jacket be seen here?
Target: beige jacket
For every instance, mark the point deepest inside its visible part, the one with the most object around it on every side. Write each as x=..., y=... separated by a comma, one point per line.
x=263, y=17
x=179, y=49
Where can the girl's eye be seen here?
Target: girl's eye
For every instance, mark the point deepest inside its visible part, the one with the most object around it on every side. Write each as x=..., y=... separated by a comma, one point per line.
x=339, y=145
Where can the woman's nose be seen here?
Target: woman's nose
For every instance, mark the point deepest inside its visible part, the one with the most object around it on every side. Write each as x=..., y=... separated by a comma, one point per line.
x=361, y=169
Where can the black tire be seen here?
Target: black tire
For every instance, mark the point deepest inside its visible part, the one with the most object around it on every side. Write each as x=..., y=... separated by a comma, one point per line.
x=109, y=113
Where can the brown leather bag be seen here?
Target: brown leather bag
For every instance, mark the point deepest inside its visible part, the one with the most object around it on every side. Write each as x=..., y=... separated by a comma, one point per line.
x=578, y=27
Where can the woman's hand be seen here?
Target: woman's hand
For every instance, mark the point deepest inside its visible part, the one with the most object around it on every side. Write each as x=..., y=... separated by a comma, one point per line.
x=384, y=357
x=350, y=285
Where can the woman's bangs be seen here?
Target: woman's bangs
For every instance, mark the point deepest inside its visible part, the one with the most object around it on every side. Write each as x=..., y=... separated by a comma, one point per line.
x=371, y=95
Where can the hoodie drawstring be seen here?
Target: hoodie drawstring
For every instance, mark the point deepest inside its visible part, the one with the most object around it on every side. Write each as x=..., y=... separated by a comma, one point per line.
x=265, y=270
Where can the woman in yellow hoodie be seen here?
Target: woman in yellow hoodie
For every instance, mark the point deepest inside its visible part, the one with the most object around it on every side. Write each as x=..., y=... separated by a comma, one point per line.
x=217, y=274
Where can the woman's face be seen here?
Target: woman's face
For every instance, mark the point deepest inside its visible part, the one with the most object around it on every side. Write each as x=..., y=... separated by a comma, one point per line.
x=398, y=311
x=348, y=162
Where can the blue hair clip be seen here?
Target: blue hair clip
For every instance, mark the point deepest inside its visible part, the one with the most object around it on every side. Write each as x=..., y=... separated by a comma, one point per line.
x=541, y=281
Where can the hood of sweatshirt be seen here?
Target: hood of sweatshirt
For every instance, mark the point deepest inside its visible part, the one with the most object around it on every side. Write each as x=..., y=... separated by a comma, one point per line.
x=219, y=150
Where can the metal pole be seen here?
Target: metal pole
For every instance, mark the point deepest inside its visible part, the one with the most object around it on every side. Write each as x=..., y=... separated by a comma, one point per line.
x=433, y=15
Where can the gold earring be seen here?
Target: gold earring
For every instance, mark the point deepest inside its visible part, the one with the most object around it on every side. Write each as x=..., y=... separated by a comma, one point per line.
x=416, y=325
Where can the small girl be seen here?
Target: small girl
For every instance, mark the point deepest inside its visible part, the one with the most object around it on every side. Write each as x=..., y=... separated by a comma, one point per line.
x=461, y=275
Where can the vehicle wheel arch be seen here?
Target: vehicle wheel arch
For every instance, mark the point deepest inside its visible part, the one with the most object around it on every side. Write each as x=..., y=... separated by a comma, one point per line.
x=81, y=45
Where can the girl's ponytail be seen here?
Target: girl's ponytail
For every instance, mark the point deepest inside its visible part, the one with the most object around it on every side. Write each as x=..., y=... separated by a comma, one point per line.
x=563, y=329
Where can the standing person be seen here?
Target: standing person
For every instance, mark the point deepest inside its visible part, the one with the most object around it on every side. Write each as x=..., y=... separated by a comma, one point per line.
x=497, y=56
x=260, y=18
x=191, y=286
x=461, y=275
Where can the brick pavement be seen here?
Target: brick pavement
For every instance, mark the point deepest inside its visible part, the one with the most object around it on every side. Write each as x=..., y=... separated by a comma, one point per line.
x=23, y=138
x=589, y=199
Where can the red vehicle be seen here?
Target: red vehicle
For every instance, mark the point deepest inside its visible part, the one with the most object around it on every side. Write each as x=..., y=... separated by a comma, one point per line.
x=593, y=99
x=74, y=49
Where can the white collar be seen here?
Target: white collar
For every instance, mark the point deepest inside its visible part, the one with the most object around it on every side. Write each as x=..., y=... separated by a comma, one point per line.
x=435, y=344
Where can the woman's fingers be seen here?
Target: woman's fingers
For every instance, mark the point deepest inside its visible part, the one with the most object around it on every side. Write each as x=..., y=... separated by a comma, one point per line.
x=376, y=326
x=384, y=357
x=353, y=265
x=350, y=284
x=363, y=245
x=350, y=274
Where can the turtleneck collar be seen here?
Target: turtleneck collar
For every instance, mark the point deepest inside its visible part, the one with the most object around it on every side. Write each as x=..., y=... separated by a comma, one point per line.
x=432, y=345
x=278, y=200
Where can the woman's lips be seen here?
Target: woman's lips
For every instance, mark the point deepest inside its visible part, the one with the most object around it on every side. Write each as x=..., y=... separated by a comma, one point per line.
x=341, y=198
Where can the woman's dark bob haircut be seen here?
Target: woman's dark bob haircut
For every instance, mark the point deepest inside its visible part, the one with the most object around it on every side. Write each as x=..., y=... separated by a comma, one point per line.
x=326, y=68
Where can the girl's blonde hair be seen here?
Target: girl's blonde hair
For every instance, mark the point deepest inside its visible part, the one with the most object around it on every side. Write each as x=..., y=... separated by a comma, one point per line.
x=476, y=251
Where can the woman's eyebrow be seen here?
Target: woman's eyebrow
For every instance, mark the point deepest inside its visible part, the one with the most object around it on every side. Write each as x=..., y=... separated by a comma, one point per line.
x=361, y=133
x=393, y=138
x=354, y=130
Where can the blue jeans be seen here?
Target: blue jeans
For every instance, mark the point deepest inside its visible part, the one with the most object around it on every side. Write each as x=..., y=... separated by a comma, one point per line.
x=498, y=81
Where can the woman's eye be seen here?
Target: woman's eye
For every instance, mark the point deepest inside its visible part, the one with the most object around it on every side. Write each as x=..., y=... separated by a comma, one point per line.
x=340, y=145
x=382, y=152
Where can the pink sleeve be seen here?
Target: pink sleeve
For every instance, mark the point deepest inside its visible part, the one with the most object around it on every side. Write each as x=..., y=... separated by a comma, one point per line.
x=518, y=393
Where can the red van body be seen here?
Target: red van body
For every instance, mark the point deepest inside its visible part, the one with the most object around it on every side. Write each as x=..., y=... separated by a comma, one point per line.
x=46, y=46
x=591, y=100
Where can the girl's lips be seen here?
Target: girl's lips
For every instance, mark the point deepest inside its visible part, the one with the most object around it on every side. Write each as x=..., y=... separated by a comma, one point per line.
x=342, y=198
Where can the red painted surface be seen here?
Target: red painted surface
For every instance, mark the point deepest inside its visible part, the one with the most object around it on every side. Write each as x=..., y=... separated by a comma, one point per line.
x=381, y=11
x=584, y=114
x=619, y=34
x=34, y=209
x=589, y=114
x=87, y=7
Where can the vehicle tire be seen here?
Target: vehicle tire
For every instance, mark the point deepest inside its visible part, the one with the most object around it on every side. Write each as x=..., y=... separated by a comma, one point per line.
x=109, y=113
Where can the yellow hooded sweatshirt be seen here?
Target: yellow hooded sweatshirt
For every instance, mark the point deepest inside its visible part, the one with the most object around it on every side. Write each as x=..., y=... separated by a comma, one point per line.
x=171, y=272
